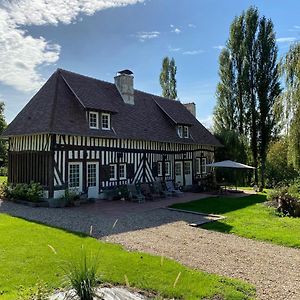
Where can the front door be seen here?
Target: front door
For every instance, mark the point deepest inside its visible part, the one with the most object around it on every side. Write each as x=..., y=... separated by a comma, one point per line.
x=178, y=173
x=188, y=172
x=93, y=179
x=75, y=176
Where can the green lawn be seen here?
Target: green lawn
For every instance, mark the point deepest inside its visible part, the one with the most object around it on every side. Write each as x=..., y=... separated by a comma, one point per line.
x=248, y=217
x=25, y=257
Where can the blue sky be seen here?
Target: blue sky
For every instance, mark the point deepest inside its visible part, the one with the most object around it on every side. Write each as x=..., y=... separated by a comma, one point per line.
x=96, y=39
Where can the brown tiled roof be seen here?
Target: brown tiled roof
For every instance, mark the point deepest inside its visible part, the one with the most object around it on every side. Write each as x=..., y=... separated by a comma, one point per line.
x=60, y=107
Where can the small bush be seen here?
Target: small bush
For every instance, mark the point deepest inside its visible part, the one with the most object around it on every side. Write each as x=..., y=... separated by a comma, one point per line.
x=70, y=196
x=32, y=192
x=82, y=275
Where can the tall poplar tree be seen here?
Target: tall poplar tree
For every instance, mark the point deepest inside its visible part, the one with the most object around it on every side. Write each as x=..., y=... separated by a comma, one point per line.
x=167, y=78
x=291, y=102
x=252, y=59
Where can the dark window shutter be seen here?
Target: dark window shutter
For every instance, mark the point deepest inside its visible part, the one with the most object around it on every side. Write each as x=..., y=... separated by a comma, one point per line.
x=130, y=171
x=155, y=169
x=104, y=173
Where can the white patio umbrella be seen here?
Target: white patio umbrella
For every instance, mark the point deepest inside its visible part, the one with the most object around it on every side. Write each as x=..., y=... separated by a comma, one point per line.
x=229, y=164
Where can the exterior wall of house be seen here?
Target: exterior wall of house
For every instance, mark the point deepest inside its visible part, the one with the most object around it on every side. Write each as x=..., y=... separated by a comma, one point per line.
x=49, y=160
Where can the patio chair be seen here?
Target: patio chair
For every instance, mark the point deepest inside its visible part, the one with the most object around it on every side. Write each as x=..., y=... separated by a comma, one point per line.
x=135, y=194
x=148, y=193
x=172, y=189
x=159, y=187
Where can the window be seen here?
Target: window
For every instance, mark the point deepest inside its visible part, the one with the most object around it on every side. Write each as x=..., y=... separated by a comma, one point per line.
x=178, y=171
x=187, y=167
x=201, y=165
x=122, y=170
x=180, y=131
x=74, y=175
x=93, y=120
x=186, y=132
x=92, y=174
x=105, y=121
x=112, y=172
x=167, y=168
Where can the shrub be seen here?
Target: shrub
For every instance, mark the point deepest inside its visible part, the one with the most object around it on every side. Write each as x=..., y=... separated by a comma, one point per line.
x=32, y=192
x=82, y=275
x=70, y=196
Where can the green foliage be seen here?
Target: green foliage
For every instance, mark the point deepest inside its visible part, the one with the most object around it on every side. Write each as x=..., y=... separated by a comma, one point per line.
x=249, y=85
x=3, y=143
x=25, y=250
x=38, y=292
x=82, y=275
x=167, y=78
x=278, y=170
x=249, y=217
x=291, y=102
x=70, y=196
x=32, y=192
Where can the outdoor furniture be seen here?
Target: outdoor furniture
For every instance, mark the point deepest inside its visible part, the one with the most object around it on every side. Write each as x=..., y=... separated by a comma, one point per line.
x=148, y=193
x=172, y=189
x=135, y=194
x=157, y=187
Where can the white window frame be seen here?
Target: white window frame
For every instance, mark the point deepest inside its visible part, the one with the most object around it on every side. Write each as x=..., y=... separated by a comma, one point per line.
x=115, y=172
x=75, y=188
x=180, y=131
x=97, y=119
x=108, y=118
x=201, y=161
x=167, y=168
x=125, y=171
x=185, y=130
x=96, y=174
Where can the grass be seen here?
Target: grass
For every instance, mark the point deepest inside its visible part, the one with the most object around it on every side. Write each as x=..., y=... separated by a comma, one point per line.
x=248, y=217
x=3, y=179
x=32, y=252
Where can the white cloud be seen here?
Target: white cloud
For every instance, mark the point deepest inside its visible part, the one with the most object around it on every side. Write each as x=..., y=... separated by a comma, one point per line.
x=219, y=47
x=296, y=28
x=192, y=25
x=207, y=122
x=177, y=30
x=147, y=35
x=286, y=40
x=171, y=49
x=193, y=52
x=20, y=53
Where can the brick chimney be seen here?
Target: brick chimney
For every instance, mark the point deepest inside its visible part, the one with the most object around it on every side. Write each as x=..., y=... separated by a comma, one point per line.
x=124, y=84
x=191, y=107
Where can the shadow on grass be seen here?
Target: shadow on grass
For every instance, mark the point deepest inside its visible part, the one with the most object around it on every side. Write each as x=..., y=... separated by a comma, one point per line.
x=217, y=226
x=221, y=205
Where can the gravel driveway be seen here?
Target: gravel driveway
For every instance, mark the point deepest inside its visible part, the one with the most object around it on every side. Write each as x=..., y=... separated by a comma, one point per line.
x=274, y=270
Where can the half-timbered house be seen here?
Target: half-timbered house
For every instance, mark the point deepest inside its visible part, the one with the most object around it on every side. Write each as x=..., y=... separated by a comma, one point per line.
x=83, y=133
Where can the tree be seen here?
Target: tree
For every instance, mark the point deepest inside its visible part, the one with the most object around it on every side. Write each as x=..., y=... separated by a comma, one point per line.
x=167, y=78
x=291, y=102
x=277, y=167
x=3, y=143
x=249, y=85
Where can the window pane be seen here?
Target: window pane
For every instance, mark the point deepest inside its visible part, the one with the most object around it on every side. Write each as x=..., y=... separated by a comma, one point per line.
x=178, y=171
x=74, y=180
x=122, y=171
x=92, y=175
x=159, y=168
x=179, y=131
x=105, y=121
x=112, y=169
x=186, y=131
x=187, y=168
x=93, y=120
x=167, y=166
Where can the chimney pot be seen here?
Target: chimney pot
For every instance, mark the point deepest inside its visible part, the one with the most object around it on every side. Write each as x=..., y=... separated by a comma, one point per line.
x=191, y=107
x=124, y=84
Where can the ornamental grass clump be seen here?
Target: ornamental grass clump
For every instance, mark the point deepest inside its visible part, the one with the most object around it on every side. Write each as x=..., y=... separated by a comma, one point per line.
x=82, y=276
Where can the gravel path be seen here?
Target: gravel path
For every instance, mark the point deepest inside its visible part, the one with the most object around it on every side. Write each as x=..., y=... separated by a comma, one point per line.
x=274, y=270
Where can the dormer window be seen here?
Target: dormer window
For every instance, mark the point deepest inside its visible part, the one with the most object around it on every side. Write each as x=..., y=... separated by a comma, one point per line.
x=105, y=121
x=183, y=131
x=93, y=120
x=180, y=131
x=186, y=132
